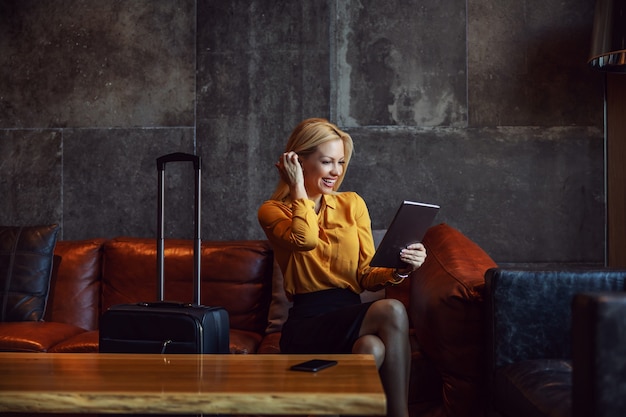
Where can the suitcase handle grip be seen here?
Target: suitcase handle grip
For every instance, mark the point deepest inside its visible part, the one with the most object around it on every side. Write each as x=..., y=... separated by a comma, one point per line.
x=165, y=304
x=178, y=157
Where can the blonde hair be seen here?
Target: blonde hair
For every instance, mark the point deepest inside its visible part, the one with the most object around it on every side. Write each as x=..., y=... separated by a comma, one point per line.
x=305, y=139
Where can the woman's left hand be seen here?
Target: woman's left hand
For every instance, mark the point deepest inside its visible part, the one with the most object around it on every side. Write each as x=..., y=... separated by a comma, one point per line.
x=414, y=255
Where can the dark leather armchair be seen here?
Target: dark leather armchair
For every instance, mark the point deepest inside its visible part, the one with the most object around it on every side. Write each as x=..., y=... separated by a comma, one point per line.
x=599, y=355
x=529, y=337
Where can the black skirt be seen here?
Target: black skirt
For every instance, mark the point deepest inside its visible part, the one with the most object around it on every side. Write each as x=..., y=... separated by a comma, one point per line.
x=325, y=321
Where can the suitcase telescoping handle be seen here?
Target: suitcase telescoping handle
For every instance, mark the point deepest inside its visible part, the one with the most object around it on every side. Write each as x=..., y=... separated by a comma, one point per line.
x=161, y=162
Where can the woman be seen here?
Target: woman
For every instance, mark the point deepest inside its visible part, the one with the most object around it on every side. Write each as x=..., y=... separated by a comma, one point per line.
x=323, y=243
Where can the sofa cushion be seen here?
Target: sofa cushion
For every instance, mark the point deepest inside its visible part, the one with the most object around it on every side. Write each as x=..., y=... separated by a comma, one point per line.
x=270, y=344
x=244, y=342
x=75, y=285
x=534, y=388
x=235, y=275
x=25, y=268
x=85, y=342
x=34, y=336
x=241, y=342
x=280, y=305
x=446, y=311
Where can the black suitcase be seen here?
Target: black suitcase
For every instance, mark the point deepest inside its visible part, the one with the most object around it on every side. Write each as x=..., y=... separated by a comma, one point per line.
x=162, y=326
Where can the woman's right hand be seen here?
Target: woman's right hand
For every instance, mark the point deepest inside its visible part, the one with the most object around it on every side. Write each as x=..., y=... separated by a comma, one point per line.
x=290, y=169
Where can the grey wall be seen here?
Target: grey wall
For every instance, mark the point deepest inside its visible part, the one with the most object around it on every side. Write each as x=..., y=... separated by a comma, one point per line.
x=485, y=107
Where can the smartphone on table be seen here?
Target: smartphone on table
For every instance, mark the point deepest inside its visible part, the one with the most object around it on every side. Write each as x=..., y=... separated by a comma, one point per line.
x=313, y=365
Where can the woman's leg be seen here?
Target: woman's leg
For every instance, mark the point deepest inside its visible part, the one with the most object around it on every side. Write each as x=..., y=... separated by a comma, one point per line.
x=385, y=334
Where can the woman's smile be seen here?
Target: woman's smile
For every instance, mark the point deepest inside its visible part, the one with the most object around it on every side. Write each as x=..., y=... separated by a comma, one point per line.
x=330, y=183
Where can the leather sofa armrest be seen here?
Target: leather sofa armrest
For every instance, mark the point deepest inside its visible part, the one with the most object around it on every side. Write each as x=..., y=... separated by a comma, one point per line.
x=529, y=311
x=446, y=311
x=598, y=352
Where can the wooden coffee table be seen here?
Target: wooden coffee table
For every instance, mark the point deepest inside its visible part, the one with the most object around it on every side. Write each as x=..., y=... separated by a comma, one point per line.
x=187, y=384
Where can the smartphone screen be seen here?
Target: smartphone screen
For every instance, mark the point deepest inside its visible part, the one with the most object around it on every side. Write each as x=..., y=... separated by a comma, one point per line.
x=313, y=365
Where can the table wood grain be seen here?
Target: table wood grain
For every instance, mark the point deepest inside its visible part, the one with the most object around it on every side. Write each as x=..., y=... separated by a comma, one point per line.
x=187, y=384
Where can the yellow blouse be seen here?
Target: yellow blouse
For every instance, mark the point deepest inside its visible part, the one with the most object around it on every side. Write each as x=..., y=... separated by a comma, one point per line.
x=331, y=249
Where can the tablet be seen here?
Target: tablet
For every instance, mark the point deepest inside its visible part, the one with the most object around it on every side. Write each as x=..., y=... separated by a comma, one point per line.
x=409, y=225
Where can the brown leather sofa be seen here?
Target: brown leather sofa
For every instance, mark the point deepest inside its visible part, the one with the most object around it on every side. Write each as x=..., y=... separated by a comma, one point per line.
x=444, y=299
